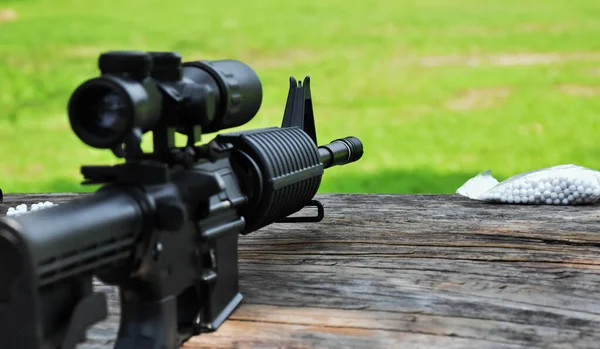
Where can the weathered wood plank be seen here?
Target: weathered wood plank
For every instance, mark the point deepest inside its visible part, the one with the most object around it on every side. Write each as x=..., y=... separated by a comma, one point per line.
x=419, y=271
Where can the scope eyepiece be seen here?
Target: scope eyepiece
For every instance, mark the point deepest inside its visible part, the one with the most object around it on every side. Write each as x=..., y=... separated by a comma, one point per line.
x=103, y=110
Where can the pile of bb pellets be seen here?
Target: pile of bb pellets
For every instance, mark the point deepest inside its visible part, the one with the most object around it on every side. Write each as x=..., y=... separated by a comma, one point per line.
x=21, y=209
x=558, y=185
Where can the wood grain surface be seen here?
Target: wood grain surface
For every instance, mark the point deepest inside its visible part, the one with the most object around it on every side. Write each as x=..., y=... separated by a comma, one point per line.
x=409, y=271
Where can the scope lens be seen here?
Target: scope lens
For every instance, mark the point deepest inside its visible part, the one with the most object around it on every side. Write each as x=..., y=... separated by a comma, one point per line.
x=100, y=114
x=106, y=115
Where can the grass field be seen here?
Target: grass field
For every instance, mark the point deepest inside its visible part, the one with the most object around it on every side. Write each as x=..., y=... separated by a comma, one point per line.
x=437, y=90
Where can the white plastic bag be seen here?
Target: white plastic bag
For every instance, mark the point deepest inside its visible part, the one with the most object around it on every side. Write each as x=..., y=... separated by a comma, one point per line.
x=558, y=185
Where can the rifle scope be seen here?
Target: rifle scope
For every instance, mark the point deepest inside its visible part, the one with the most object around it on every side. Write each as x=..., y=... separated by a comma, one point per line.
x=138, y=90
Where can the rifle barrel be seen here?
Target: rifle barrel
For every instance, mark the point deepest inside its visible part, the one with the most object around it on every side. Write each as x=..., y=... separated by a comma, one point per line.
x=341, y=151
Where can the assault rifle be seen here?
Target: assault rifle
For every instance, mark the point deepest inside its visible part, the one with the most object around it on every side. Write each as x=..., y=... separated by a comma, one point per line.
x=164, y=225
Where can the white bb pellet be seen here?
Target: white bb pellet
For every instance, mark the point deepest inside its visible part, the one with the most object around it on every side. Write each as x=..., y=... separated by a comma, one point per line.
x=22, y=209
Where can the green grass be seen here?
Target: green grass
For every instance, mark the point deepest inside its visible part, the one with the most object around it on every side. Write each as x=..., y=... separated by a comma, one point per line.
x=437, y=90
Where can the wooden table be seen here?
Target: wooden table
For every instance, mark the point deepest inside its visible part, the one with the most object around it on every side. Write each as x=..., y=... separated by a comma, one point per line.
x=411, y=271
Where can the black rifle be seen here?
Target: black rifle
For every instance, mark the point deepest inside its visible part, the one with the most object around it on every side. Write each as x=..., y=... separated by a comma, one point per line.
x=164, y=225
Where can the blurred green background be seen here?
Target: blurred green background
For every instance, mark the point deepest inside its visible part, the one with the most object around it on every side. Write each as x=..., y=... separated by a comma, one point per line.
x=438, y=90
